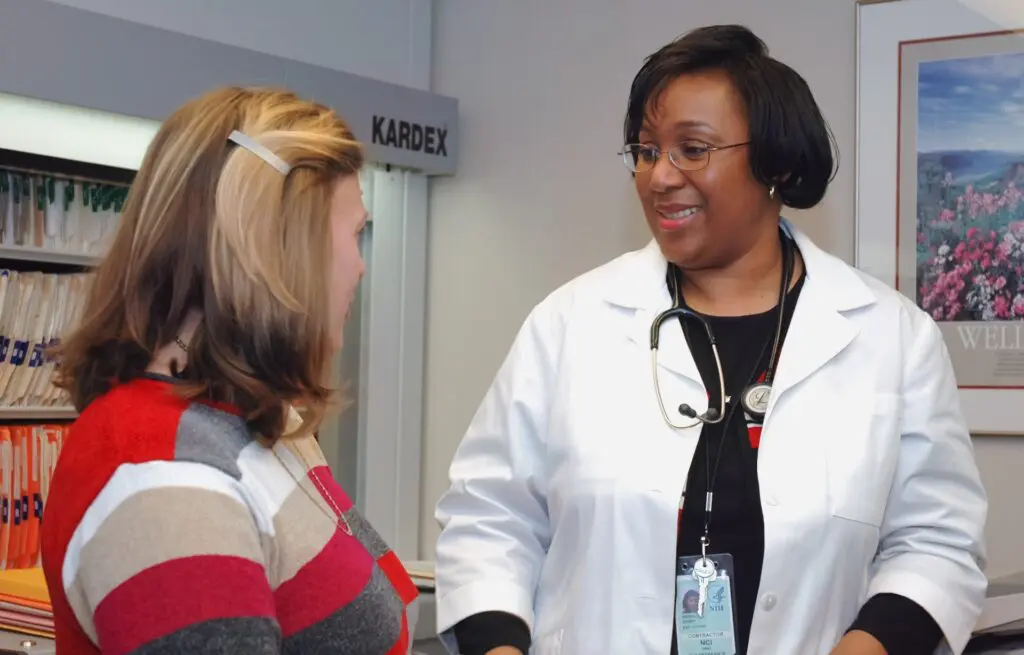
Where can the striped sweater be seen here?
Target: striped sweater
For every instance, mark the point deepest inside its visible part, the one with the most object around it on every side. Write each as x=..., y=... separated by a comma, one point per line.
x=169, y=529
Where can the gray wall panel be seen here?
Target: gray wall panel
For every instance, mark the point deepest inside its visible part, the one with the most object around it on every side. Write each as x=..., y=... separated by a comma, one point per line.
x=70, y=56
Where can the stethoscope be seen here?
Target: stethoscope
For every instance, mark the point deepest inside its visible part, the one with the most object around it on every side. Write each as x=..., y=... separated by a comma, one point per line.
x=755, y=396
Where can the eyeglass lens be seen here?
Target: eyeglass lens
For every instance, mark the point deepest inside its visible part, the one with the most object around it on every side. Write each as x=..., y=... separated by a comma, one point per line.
x=687, y=156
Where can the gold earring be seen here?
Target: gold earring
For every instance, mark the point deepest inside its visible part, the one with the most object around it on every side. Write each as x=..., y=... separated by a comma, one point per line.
x=771, y=192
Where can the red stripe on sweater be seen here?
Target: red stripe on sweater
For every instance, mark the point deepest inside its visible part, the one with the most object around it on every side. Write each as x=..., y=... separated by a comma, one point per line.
x=395, y=570
x=177, y=594
x=336, y=496
x=401, y=646
x=326, y=584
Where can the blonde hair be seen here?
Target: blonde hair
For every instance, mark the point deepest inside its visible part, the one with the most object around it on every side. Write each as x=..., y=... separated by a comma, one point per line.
x=211, y=226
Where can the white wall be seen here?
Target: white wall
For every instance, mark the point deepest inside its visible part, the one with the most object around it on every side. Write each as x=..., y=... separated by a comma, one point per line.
x=386, y=40
x=540, y=195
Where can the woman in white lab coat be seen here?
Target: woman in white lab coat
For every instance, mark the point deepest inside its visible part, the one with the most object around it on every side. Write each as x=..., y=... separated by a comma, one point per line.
x=796, y=457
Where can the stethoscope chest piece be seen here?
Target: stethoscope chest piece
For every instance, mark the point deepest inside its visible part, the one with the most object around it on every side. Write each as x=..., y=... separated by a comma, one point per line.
x=755, y=399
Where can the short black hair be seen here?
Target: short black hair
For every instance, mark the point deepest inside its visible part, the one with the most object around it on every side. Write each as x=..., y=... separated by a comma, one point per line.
x=791, y=145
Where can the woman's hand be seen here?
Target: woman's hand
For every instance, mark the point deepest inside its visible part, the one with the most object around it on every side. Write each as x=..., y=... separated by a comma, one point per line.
x=859, y=643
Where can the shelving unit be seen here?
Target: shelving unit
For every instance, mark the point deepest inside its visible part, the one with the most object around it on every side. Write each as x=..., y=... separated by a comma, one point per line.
x=37, y=413
x=42, y=255
x=60, y=259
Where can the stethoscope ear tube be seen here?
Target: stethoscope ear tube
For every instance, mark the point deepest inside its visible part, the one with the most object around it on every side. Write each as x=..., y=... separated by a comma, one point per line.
x=712, y=415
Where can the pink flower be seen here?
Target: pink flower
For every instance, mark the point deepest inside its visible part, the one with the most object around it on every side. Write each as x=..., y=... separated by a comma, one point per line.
x=1001, y=305
x=1012, y=195
x=989, y=203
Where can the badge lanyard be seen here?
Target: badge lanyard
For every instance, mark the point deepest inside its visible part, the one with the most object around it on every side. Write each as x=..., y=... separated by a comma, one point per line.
x=755, y=396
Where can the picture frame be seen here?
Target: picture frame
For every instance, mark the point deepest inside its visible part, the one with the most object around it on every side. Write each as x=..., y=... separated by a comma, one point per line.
x=940, y=134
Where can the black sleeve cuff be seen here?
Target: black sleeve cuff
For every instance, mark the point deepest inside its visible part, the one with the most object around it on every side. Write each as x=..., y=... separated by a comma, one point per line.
x=902, y=626
x=482, y=633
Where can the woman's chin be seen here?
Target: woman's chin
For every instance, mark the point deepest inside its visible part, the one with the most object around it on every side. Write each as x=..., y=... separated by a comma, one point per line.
x=685, y=254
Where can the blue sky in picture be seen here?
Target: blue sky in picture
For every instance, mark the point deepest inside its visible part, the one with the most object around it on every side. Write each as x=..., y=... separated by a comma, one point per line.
x=971, y=104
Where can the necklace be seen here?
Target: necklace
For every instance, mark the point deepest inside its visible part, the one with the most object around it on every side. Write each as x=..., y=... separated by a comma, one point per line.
x=181, y=344
x=338, y=517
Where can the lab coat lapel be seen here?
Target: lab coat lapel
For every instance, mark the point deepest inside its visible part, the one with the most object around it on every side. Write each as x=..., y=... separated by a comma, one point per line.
x=816, y=334
x=639, y=288
x=673, y=351
x=819, y=330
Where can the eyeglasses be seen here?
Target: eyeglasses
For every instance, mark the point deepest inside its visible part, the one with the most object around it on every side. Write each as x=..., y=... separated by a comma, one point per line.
x=686, y=156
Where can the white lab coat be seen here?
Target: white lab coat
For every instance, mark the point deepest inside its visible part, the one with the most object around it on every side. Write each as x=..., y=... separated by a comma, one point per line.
x=564, y=492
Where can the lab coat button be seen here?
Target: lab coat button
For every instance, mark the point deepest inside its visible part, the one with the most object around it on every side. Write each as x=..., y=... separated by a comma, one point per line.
x=768, y=602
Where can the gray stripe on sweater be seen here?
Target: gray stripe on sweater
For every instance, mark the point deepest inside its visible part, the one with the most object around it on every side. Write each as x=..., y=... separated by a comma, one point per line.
x=249, y=635
x=212, y=437
x=367, y=536
x=369, y=625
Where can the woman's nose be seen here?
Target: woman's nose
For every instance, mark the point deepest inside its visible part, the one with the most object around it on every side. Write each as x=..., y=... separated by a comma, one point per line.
x=665, y=175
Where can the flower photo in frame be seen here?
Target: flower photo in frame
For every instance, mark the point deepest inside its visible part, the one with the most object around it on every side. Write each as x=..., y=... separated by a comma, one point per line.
x=940, y=183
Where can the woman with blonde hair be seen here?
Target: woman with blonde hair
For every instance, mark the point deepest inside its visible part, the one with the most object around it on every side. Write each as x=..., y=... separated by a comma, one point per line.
x=192, y=509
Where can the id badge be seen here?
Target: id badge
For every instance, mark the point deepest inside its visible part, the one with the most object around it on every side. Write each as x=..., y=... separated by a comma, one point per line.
x=711, y=629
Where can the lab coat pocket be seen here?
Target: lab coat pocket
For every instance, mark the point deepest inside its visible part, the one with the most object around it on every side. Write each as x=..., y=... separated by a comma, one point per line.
x=549, y=644
x=862, y=454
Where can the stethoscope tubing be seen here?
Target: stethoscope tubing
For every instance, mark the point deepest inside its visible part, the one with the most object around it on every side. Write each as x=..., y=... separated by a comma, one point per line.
x=708, y=416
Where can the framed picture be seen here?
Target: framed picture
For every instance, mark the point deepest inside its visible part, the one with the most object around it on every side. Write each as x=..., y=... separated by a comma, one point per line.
x=940, y=182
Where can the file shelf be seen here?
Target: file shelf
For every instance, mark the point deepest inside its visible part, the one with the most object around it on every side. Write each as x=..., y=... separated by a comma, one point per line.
x=55, y=219
x=37, y=308
x=37, y=414
x=45, y=256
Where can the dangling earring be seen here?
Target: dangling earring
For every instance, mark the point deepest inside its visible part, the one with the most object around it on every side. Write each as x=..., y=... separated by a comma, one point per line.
x=771, y=192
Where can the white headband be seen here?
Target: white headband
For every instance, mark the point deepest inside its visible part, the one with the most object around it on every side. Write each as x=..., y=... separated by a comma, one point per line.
x=260, y=151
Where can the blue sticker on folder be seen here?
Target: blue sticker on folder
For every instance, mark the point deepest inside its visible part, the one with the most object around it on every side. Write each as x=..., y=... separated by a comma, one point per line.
x=36, y=360
x=20, y=351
